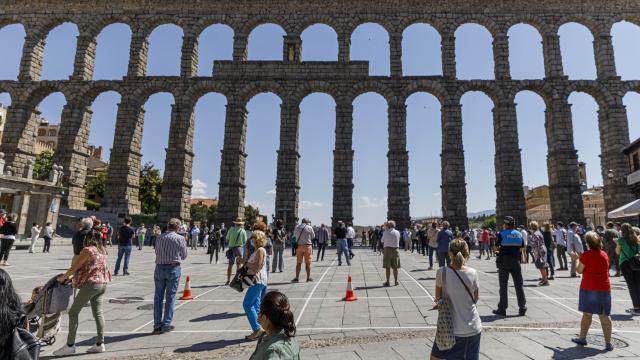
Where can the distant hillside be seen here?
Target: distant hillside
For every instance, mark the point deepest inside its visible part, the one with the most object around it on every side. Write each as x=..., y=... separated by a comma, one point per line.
x=483, y=213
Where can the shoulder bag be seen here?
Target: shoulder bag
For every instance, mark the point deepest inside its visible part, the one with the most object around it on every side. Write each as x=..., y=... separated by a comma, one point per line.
x=465, y=285
x=445, y=339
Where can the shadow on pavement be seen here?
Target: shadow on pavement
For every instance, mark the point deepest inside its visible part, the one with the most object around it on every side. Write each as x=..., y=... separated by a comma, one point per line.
x=221, y=316
x=369, y=287
x=576, y=352
x=492, y=318
x=621, y=317
x=210, y=345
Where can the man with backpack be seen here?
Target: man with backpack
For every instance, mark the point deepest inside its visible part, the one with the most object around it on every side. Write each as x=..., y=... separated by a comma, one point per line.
x=237, y=238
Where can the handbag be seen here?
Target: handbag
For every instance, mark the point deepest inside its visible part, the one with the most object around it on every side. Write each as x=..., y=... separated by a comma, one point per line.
x=539, y=263
x=634, y=261
x=22, y=346
x=445, y=339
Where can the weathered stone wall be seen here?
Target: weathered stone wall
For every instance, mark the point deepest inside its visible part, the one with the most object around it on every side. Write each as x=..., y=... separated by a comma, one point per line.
x=291, y=80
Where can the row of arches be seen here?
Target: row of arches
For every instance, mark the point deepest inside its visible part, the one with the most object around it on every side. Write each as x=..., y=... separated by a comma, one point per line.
x=370, y=142
x=420, y=45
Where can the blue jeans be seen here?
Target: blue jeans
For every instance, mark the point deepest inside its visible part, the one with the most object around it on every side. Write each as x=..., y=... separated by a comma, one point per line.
x=431, y=250
x=251, y=304
x=443, y=256
x=167, y=278
x=467, y=347
x=343, y=248
x=551, y=261
x=126, y=251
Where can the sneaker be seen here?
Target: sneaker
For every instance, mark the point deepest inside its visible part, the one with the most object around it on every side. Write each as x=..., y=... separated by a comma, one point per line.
x=543, y=283
x=6, y=263
x=309, y=280
x=386, y=284
x=635, y=312
x=501, y=313
x=551, y=278
x=522, y=312
x=579, y=341
x=227, y=283
x=95, y=349
x=65, y=350
x=126, y=273
x=295, y=280
x=167, y=329
x=608, y=347
x=255, y=335
x=156, y=331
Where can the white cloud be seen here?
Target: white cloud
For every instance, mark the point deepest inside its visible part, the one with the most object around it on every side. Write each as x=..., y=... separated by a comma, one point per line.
x=369, y=202
x=199, y=189
x=304, y=204
x=271, y=192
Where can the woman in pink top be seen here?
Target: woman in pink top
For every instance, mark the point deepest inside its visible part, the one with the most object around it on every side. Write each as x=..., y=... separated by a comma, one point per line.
x=90, y=276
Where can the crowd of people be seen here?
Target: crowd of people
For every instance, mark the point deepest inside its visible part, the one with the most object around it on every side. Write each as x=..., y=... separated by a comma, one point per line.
x=258, y=249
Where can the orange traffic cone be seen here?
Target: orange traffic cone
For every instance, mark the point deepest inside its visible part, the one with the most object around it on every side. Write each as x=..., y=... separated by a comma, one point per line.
x=350, y=296
x=186, y=294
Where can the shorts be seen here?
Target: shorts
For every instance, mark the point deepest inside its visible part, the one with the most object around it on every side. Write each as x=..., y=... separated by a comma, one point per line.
x=391, y=258
x=233, y=253
x=304, y=251
x=467, y=347
x=595, y=302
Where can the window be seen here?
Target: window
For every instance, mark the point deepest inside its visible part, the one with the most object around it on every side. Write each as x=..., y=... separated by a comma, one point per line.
x=52, y=132
x=636, y=162
x=42, y=132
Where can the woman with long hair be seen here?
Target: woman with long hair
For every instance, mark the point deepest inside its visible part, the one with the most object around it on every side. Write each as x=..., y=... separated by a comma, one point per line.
x=276, y=319
x=90, y=275
x=627, y=248
x=257, y=270
x=460, y=284
x=595, y=289
x=11, y=312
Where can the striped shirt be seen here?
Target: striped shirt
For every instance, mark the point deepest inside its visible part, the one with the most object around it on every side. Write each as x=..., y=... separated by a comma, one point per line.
x=171, y=248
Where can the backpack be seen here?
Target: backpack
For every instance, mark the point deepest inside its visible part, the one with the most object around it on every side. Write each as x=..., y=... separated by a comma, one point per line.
x=22, y=345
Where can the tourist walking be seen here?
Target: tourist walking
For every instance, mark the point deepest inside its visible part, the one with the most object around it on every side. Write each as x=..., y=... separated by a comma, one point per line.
x=276, y=319
x=445, y=236
x=574, y=244
x=508, y=244
x=257, y=276
x=141, y=233
x=171, y=250
x=154, y=235
x=351, y=234
x=213, y=243
x=627, y=249
x=539, y=251
x=90, y=274
x=611, y=236
x=48, y=236
x=109, y=233
x=550, y=244
x=595, y=289
x=80, y=236
x=35, y=233
x=561, y=237
x=195, y=233
x=391, y=256
x=125, y=243
x=459, y=283
x=323, y=238
x=279, y=244
x=424, y=240
x=524, y=251
x=237, y=237
x=432, y=236
x=304, y=234
x=485, y=244
x=341, y=243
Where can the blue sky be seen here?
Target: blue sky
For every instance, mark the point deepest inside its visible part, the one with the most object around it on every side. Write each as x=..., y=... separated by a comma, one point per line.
x=421, y=56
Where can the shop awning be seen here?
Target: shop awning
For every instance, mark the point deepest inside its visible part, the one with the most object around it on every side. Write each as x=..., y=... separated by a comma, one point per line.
x=628, y=210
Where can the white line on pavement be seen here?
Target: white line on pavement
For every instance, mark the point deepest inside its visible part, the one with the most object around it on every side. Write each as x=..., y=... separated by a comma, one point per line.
x=313, y=291
x=421, y=287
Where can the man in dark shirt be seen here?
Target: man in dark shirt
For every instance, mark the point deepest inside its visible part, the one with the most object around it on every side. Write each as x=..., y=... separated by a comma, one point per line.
x=78, y=238
x=508, y=244
x=125, y=237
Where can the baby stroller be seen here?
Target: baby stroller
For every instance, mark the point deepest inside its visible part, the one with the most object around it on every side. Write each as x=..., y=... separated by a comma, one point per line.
x=44, y=311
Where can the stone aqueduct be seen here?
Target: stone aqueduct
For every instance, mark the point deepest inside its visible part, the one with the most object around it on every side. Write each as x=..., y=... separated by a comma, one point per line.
x=292, y=80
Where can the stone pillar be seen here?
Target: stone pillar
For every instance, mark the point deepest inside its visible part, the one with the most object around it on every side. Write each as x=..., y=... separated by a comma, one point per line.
x=232, y=166
x=454, y=192
x=344, y=46
x=138, y=55
x=501, y=56
x=605, y=58
x=398, y=157
x=122, y=195
x=552, y=55
x=508, y=164
x=32, y=58
x=20, y=207
x=84, y=63
x=292, y=48
x=343, y=165
x=614, y=136
x=562, y=164
x=189, y=59
x=18, y=137
x=395, y=52
x=240, y=43
x=448, y=49
x=72, y=152
x=287, y=180
x=178, y=165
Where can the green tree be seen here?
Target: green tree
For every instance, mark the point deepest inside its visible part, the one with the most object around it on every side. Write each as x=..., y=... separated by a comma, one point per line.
x=212, y=215
x=42, y=166
x=250, y=214
x=150, y=188
x=98, y=184
x=199, y=212
x=489, y=223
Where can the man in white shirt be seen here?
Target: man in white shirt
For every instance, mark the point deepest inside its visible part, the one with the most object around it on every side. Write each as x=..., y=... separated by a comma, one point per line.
x=195, y=233
x=35, y=232
x=48, y=235
x=351, y=234
x=574, y=244
x=561, y=237
x=391, y=256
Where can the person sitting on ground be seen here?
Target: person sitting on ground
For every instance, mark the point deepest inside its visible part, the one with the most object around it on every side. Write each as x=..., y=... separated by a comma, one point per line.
x=460, y=284
x=595, y=289
x=278, y=341
x=90, y=275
